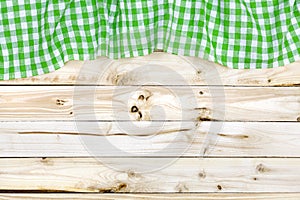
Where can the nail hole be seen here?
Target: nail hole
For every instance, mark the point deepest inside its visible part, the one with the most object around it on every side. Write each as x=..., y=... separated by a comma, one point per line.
x=269, y=80
x=298, y=119
x=134, y=109
x=200, y=92
x=219, y=187
x=71, y=113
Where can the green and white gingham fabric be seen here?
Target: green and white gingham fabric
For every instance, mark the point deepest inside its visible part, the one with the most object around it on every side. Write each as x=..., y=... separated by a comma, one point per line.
x=39, y=36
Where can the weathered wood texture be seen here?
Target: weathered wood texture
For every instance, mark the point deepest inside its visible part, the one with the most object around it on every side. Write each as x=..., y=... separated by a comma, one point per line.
x=74, y=73
x=185, y=196
x=178, y=103
x=235, y=139
x=184, y=175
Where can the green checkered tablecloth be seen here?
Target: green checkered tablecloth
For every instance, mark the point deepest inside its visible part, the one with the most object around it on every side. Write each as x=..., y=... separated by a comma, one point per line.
x=39, y=36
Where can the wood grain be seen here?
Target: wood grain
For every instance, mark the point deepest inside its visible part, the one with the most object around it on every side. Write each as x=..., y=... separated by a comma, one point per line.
x=246, y=121
x=152, y=103
x=122, y=175
x=105, y=72
x=67, y=139
x=191, y=196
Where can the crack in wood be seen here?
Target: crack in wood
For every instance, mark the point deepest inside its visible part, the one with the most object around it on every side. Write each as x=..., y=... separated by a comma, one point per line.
x=105, y=134
x=234, y=136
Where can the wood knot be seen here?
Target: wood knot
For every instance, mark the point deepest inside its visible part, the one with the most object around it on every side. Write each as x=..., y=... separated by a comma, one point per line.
x=132, y=174
x=60, y=102
x=46, y=161
x=202, y=174
x=121, y=187
x=141, y=97
x=134, y=109
x=204, y=114
x=140, y=115
x=116, y=79
x=181, y=187
x=144, y=94
x=200, y=118
x=261, y=168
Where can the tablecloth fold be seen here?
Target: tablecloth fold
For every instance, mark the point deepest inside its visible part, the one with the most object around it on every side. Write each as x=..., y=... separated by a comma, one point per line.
x=39, y=36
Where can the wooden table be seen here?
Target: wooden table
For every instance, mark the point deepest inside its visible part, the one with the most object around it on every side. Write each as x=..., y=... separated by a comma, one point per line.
x=189, y=128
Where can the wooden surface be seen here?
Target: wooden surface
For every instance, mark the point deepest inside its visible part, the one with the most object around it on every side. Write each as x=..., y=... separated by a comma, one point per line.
x=183, y=175
x=187, y=196
x=69, y=74
x=235, y=139
x=206, y=131
x=241, y=103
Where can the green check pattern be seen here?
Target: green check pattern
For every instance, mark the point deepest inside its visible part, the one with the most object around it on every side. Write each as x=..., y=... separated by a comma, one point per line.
x=39, y=36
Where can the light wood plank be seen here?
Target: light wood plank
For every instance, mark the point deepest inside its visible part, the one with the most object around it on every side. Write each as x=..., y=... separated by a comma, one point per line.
x=125, y=72
x=191, y=196
x=153, y=102
x=233, y=139
x=182, y=175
